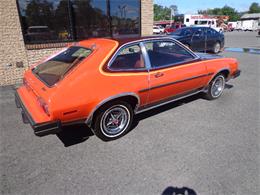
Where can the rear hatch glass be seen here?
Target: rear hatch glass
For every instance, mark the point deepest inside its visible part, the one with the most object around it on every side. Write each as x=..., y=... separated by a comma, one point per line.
x=54, y=69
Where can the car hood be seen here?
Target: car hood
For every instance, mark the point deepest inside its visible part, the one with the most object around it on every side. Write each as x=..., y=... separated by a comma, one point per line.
x=206, y=56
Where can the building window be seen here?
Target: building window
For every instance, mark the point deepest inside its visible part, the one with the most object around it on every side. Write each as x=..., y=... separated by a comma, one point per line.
x=90, y=19
x=125, y=16
x=45, y=21
x=49, y=21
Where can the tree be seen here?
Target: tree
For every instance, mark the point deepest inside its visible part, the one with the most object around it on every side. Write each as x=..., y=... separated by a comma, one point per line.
x=226, y=10
x=39, y=13
x=163, y=13
x=254, y=8
x=231, y=12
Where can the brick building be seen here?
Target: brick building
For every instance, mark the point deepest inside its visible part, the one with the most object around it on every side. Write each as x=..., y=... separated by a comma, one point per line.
x=33, y=29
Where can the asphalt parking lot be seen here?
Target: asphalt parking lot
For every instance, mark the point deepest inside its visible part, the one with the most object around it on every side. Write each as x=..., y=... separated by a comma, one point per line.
x=204, y=147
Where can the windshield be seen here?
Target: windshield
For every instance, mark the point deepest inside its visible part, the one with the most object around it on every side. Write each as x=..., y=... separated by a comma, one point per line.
x=55, y=68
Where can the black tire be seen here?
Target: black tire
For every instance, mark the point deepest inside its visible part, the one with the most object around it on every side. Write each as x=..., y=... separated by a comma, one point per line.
x=216, y=48
x=101, y=117
x=211, y=92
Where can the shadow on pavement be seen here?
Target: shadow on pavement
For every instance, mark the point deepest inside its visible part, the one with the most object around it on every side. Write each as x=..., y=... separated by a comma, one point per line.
x=76, y=134
x=163, y=108
x=228, y=86
x=178, y=191
x=166, y=107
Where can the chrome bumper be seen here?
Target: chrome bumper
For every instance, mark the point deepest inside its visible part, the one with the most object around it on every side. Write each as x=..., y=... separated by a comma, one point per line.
x=40, y=129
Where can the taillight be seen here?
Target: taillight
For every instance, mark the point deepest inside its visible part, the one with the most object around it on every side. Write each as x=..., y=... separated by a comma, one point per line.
x=26, y=84
x=43, y=105
x=24, y=81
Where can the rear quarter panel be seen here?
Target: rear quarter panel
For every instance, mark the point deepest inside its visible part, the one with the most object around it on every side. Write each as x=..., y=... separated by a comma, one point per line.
x=215, y=66
x=87, y=85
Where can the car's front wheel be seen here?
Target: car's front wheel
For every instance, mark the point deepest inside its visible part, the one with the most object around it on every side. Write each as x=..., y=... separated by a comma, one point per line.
x=113, y=120
x=216, y=87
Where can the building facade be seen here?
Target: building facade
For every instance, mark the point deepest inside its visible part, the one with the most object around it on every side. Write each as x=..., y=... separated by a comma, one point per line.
x=33, y=29
x=249, y=22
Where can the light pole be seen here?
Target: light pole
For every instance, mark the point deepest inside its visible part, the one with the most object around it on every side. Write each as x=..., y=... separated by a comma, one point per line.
x=172, y=13
x=174, y=10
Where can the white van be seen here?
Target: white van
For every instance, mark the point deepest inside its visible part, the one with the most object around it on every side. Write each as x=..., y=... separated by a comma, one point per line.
x=201, y=20
x=250, y=25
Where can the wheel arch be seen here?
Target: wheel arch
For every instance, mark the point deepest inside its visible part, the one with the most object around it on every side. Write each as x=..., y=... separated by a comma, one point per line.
x=130, y=97
x=224, y=71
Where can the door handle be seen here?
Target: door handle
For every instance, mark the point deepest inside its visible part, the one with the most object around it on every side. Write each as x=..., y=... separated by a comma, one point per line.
x=158, y=74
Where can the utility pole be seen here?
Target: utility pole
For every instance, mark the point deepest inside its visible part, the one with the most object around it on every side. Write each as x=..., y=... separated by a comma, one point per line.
x=174, y=10
x=171, y=16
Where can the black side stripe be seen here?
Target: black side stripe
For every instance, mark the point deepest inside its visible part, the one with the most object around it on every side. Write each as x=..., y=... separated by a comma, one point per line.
x=176, y=82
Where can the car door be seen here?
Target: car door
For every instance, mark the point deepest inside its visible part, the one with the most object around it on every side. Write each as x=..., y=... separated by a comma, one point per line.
x=187, y=36
x=198, y=40
x=174, y=70
x=210, y=38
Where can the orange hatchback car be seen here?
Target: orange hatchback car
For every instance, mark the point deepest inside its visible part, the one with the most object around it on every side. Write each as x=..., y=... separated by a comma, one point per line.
x=104, y=82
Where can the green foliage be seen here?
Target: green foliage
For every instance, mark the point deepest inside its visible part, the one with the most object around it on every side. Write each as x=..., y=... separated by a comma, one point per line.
x=231, y=12
x=163, y=13
x=226, y=10
x=254, y=8
x=42, y=10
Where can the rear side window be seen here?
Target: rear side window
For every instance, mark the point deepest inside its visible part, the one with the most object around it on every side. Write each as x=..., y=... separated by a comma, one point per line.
x=166, y=53
x=128, y=58
x=55, y=68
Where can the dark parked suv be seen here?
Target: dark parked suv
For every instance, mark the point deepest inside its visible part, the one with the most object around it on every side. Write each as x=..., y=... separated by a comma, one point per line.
x=200, y=38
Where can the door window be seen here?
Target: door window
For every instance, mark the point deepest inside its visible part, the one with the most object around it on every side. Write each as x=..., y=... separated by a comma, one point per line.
x=166, y=53
x=187, y=32
x=199, y=33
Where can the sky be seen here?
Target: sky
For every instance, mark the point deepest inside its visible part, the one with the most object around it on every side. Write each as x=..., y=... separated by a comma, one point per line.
x=192, y=6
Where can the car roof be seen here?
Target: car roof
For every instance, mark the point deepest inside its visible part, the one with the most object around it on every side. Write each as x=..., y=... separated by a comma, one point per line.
x=120, y=40
x=194, y=27
x=125, y=40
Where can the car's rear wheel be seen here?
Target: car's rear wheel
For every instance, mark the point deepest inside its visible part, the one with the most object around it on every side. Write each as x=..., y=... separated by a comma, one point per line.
x=113, y=120
x=216, y=48
x=216, y=87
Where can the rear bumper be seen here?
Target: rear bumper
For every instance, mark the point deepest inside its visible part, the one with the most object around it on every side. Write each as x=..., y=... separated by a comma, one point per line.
x=40, y=129
x=236, y=74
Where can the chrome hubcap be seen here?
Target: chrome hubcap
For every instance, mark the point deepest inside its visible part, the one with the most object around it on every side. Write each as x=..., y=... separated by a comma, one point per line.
x=218, y=86
x=115, y=121
x=217, y=48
